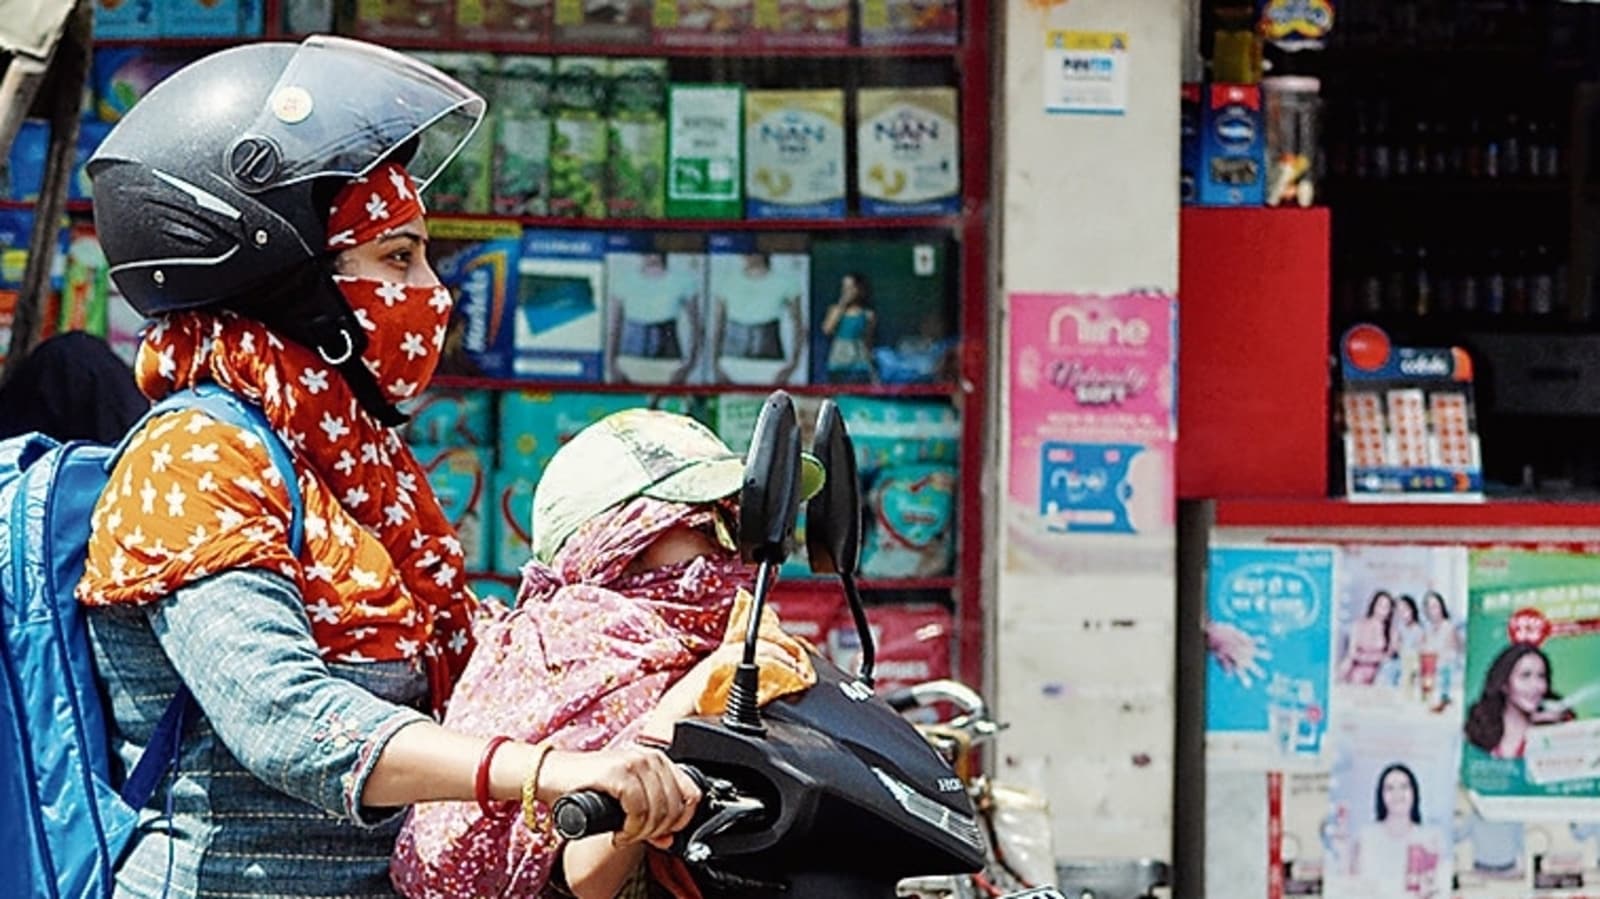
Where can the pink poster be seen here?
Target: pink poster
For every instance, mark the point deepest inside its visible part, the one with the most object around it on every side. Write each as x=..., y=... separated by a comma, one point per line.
x=1093, y=421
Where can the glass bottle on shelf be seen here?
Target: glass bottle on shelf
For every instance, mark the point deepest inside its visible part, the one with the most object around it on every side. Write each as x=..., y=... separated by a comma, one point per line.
x=1511, y=149
x=1473, y=148
x=1381, y=168
x=1542, y=289
x=1494, y=283
x=1422, y=298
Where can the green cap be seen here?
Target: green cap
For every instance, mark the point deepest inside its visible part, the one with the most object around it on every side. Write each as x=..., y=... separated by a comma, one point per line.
x=638, y=452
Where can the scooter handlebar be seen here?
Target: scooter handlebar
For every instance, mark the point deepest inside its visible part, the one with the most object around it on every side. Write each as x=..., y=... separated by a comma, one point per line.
x=585, y=813
x=588, y=812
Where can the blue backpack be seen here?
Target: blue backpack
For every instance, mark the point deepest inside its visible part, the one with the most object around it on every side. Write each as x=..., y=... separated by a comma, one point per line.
x=63, y=824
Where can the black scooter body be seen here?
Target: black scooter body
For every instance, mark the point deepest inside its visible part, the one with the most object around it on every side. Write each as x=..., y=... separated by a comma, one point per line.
x=849, y=785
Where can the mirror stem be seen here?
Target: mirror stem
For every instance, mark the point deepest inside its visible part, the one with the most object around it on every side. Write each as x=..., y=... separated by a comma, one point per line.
x=744, y=706
x=863, y=630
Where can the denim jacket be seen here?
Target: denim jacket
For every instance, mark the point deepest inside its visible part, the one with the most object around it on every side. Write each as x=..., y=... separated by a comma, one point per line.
x=266, y=797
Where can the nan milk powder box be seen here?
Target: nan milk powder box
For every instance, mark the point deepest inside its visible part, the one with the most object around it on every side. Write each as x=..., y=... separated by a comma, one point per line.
x=908, y=151
x=794, y=154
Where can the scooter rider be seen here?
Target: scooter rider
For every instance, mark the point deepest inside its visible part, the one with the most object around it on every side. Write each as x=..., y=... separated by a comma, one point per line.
x=262, y=207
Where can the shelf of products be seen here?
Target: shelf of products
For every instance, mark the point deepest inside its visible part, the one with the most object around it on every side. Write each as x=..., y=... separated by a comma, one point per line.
x=852, y=159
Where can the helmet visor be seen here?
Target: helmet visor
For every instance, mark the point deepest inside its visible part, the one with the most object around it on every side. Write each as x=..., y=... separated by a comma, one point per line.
x=343, y=106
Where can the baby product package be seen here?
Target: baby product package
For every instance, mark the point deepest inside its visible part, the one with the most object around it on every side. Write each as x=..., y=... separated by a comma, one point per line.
x=477, y=260
x=705, y=151
x=794, y=154
x=122, y=75
x=413, y=19
x=883, y=311
x=126, y=19
x=602, y=22
x=911, y=522
x=637, y=139
x=655, y=307
x=560, y=289
x=908, y=151
x=513, y=519
x=725, y=24
x=578, y=145
x=918, y=23
x=447, y=417
x=534, y=424
x=891, y=432
x=803, y=24
x=810, y=611
x=520, y=105
x=464, y=185
x=760, y=290
x=493, y=589
x=460, y=478
x=913, y=643
x=210, y=18
x=503, y=21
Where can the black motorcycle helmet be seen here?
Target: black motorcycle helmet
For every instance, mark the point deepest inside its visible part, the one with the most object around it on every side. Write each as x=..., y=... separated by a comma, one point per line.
x=213, y=190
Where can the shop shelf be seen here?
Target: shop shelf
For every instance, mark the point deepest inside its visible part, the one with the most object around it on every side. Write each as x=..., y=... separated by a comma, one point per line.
x=656, y=50
x=900, y=223
x=460, y=382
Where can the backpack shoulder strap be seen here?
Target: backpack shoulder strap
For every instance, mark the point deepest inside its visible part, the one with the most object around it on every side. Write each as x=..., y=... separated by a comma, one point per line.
x=225, y=406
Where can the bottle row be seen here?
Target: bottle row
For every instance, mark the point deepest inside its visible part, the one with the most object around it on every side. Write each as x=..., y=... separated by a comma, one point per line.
x=729, y=24
x=1376, y=140
x=1423, y=280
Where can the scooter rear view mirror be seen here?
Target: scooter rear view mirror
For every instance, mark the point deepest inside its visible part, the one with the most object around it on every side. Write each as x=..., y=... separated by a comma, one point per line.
x=833, y=523
x=768, y=505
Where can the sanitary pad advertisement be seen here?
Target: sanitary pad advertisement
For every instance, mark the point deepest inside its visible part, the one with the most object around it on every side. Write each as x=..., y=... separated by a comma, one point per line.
x=1093, y=386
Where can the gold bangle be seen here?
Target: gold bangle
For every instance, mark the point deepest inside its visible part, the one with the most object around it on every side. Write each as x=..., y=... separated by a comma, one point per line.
x=530, y=791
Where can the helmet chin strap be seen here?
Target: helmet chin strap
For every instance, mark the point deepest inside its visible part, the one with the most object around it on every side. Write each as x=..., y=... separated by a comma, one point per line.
x=309, y=309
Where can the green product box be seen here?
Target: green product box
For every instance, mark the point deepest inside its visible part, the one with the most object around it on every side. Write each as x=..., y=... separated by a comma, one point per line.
x=520, y=104
x=578, y=142
x=705, y=151
x=637, y=139
x=464, y=185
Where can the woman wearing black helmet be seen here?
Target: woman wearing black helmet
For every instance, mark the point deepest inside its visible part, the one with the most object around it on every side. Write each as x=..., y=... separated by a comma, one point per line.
x=263, y=206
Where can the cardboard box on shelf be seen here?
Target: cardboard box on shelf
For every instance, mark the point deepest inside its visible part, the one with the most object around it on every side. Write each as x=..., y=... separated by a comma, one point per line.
x=126, y=19
x=210, y=18
x=889, y=23
x=725, y=24
x=444, y=417
x=760, y=292
x=477, y=259
x=908, y=151
x=705, y=153
x=656, y=308
x=578, y=143
x=520, y=104
x=504, y=21
x=794, y=154
x=465, y=184
x=637, y=139
x=600, y=22
x=409, y=19
x=883, y=311
x=1233, y=147
x=560, y=291
x=803, y=24
x=460, y=479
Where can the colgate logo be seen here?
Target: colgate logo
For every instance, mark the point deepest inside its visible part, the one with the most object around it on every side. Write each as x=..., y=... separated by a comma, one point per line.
x=1092, y=329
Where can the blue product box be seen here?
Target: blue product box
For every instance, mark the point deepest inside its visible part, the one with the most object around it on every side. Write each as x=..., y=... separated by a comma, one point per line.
x=460, y=478
x=513, y=515
x=655, y=308
x=492, y=588
x=1189, y=143
x=210, y=18
x=90, y=136
x=16, y=234
x=122, y=75
x=1233, y=147
x=534, y=424
x=477, y=260
x=452, y=418
x=25, y=168
x=123, y=19
x=559, y=301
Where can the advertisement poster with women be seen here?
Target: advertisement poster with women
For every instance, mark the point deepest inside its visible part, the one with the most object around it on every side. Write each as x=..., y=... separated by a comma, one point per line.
x=1267, y=641
x=1092, y=398
x=1531, y=722
x=1392, y=804
x=1400, y=630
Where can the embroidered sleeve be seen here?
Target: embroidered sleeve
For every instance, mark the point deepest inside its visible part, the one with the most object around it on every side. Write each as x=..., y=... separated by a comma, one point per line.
x=190, y=496
x=242, y=643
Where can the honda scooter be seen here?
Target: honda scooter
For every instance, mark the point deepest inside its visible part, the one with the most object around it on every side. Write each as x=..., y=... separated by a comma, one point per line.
x=831, y=794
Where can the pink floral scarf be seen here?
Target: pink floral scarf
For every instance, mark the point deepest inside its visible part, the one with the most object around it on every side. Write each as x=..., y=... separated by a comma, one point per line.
x=588, y=652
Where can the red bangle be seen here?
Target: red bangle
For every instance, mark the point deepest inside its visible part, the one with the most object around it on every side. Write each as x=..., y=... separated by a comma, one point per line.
x=481, y=783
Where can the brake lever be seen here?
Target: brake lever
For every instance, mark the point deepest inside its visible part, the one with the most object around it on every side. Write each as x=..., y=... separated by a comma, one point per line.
x=697, y=849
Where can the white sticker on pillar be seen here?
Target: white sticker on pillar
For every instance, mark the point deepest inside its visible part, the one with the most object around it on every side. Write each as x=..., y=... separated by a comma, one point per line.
x=1086, y=72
